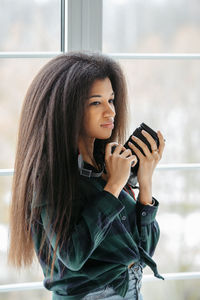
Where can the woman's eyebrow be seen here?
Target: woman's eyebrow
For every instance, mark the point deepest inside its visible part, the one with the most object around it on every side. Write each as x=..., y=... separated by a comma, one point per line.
x=98, y=96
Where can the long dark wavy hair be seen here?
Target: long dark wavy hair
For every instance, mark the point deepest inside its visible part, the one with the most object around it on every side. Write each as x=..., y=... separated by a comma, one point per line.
x=47, y=147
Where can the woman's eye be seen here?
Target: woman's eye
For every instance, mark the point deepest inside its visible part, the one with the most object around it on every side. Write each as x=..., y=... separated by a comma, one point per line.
x=98, y=102
x=95, y=103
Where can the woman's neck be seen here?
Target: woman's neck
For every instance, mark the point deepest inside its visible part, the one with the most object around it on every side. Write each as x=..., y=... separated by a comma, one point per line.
x=86, y=150
x=86, y=147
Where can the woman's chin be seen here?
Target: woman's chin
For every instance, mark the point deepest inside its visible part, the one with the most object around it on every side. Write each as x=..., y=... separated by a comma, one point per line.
x=104, y=137
x=104, y=134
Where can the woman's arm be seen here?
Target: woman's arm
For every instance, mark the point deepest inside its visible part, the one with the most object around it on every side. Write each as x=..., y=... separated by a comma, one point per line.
x=147, y=206
x=148, y=227
x=148, y=163
x=88, y=233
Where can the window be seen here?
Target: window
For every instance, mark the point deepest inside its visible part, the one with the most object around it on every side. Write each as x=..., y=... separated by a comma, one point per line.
x=30, y=25
x=157, y=44
x=155, y=26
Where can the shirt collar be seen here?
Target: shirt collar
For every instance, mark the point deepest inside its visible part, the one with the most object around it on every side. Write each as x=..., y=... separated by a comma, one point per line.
x=88, y=170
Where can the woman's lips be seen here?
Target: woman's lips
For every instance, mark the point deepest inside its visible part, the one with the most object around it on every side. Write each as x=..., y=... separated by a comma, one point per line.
x=108, y=125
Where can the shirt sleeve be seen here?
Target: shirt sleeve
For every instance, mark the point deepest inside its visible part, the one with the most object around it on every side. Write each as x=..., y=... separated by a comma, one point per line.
x=148, y=226
x=91, y=229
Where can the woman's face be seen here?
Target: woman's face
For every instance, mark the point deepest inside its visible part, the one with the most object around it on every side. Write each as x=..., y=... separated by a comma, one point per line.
x=99, y=110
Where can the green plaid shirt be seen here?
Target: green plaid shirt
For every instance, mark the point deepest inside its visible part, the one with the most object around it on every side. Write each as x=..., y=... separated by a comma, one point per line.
x=110, y=233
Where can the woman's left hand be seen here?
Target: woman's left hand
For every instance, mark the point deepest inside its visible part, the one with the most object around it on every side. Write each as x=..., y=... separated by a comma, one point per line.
x=149, y=161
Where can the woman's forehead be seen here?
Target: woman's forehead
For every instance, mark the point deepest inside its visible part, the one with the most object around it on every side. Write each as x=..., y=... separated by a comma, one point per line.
x=101, y=86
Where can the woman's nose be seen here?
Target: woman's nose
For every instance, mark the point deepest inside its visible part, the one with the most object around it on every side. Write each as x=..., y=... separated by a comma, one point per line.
x=109, y=111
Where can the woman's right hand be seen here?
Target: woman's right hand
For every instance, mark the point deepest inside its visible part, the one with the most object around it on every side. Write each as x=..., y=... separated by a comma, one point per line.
x=118, y=166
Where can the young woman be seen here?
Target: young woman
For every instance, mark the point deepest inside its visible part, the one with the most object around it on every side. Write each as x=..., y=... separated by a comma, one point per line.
x=72, y=202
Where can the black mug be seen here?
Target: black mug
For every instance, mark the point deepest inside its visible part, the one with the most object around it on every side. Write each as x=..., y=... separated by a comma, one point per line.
x=138, y=134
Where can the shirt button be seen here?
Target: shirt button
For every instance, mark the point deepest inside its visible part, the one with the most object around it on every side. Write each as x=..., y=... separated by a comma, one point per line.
x=144, y=213
x=124, y=218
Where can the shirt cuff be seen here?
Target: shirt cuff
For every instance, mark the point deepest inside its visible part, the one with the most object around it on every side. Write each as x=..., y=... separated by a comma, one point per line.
x=147, y=213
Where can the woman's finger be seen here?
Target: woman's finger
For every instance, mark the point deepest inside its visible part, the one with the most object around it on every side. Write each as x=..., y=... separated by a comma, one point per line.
x=134, y=162
x=126, y=153
x=118, y=149
x=132, y=159
x=150, y=139
x=142, y=145
x=136, y=150
x=162, y=143
x=108, y=149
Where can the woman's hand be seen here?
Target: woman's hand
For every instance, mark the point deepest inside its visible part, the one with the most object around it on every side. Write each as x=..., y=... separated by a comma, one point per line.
x=148, y=162
x=118, y=166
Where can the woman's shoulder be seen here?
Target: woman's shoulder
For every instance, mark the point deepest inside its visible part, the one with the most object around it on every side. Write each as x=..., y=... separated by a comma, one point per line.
x=85, y=188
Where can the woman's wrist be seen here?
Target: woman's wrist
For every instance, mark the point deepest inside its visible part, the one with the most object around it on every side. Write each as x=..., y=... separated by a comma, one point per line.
x=113, y=189
x=145, y=194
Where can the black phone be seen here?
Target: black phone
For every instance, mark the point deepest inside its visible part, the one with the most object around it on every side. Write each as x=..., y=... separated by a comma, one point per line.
x=137, y=133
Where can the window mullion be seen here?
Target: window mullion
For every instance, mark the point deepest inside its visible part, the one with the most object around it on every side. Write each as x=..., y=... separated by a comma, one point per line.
x=84, y=25
x=62, y=26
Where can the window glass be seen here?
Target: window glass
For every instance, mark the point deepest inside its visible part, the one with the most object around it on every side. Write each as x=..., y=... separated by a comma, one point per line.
x=171, y=289
x=179, y=245
x=165, y=95
x=8, y=274
x=30, y=25
x=151, y=26
x=12, y=92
